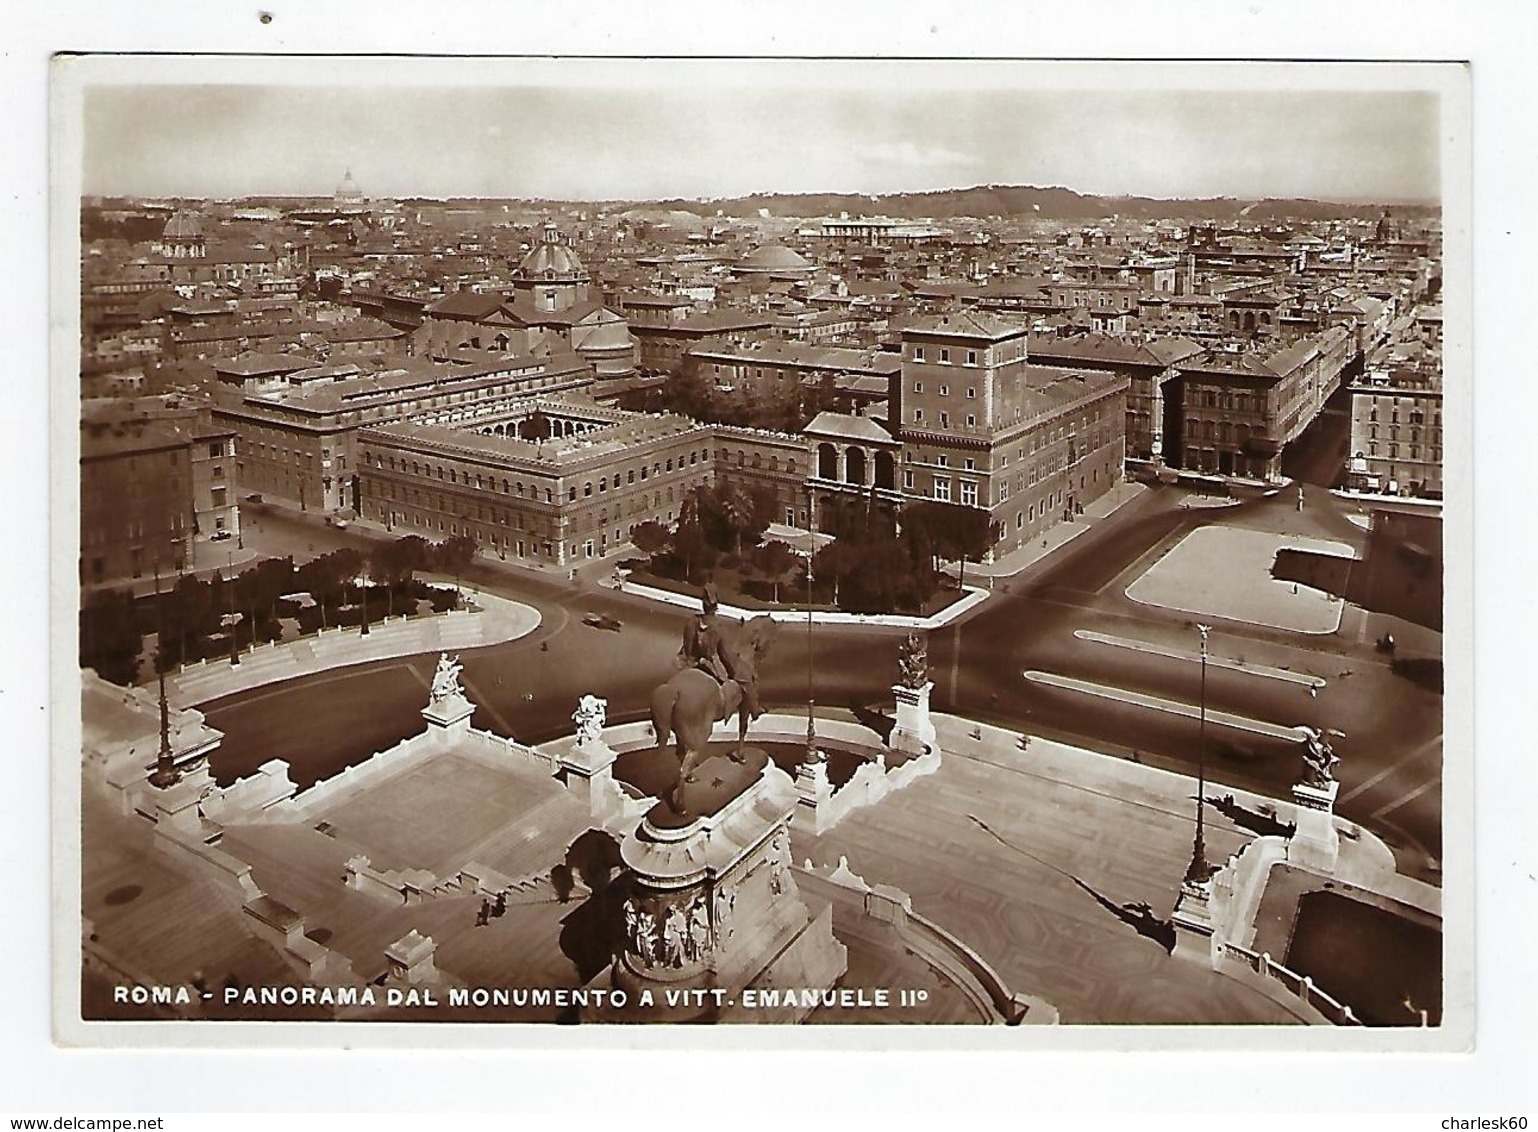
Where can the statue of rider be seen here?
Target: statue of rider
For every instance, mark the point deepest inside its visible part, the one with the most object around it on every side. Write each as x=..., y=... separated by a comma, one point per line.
x=702, y=646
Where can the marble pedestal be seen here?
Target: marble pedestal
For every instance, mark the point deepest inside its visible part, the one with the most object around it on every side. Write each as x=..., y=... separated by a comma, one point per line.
x=1315, y=845
x=1193, y=921
x=448, y=717
x=588, y=772
x=410, y=959
x=713, y=908
x=914, y=732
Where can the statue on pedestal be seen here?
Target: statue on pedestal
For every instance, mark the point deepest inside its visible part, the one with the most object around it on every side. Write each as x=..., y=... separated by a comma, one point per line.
x=589, y=718
x=779, y=864
x=914, y=662
x=719, y=680
x=641, y=933
x=446, y=679
x=1319, y=759
x=726, y=900
x=699, y=930
x=674, y=941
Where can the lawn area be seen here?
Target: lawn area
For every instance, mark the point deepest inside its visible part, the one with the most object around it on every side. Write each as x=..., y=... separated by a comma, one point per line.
x=1226, y=572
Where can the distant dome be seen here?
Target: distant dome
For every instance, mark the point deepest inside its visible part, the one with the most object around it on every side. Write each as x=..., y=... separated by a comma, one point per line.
x=551, y=259
x=773, y=258
x=184, y=226
x=348, y=190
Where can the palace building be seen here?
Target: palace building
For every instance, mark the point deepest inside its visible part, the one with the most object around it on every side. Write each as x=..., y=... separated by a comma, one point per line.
x=982, y=426
x=296, y=437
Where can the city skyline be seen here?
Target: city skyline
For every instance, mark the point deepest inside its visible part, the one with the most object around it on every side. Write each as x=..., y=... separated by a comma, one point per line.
x=703, y=130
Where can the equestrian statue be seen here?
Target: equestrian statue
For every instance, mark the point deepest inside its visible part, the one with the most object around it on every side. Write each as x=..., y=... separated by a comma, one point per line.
x=718, y=678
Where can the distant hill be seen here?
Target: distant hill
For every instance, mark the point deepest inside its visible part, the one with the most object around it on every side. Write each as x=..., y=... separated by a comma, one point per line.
x=1053, y=203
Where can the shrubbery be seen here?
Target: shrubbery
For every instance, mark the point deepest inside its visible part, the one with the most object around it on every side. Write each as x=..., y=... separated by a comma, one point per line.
x=191, y=615
x=869, y=567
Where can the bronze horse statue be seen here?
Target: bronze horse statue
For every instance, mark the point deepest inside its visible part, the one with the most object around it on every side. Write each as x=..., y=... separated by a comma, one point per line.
x=690, y=703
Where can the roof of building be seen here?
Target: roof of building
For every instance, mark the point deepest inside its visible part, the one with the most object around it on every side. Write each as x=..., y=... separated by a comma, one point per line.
x=102, y=438
x=965, y=324
x=465, y=303
x=847, y=427
x=256, y=364
x=551, y=259
x=1258, y=298
x=362, y=330
x=526, y=311
x=618, y=431
x=724, y=318
x=1112, y=349
x=779, y=351
x=647, y=299
x=183, y=225
x=773, y=258
x=864, y=384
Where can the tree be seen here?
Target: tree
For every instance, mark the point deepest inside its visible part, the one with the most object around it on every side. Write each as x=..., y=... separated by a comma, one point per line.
x=455, y=554
x=954, y=531
x=773, y=562
x=689, y=543
x=326, y=576
x=109, y=638
x=259, y=588
x=837, y=562
x=651, y=538
x=741, y=511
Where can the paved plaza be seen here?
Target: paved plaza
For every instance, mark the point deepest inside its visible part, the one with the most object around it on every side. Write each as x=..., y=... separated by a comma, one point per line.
x=1226, y=572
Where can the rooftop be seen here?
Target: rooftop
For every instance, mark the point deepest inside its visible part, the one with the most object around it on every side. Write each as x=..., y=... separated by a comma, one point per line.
x=965, y=324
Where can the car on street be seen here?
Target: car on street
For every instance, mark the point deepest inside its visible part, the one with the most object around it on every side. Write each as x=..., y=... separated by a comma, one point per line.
x=340, y=522
x=603, y=621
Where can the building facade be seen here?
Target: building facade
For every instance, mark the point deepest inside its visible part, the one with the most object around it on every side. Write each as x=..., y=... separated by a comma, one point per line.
x=1396, y=433
x=983, y=427
x=136, y=500
x=298, y=442
x=543, y=481
x=1233, y=412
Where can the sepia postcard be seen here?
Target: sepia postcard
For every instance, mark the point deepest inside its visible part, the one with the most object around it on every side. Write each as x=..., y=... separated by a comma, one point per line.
x=946, y=550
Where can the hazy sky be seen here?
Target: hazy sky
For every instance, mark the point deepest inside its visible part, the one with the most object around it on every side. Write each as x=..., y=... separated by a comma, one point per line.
x=696, y=128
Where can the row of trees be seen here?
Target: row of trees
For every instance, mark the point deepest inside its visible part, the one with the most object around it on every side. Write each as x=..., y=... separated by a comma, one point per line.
x=197, y=619
x=728, y=518
x=877, y=565
x=759, y=406
x=873, y=565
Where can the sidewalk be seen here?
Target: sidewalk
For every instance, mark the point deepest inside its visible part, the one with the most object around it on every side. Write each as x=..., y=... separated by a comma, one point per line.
x=969, y=599
x=495, y=622
x=1064, y=532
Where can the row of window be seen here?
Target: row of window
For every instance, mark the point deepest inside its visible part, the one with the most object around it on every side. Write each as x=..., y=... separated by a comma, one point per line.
x=945, y=390
x=945, y=419
x=1432, y=454
x=944, y=356
x=1393, y=433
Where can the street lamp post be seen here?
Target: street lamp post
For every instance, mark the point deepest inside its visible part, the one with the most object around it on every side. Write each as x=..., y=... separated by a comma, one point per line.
x=165, y=773
x=811, y=544
x=1198, y=871
x=234, y=641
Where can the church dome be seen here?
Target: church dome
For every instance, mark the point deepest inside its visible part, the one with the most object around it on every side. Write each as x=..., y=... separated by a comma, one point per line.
x=348, y=190
x=184, y=226
x=774, y=258
x=551, y=259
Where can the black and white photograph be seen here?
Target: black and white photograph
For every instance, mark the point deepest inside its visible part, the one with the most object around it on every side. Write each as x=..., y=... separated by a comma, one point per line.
x=762, y=551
